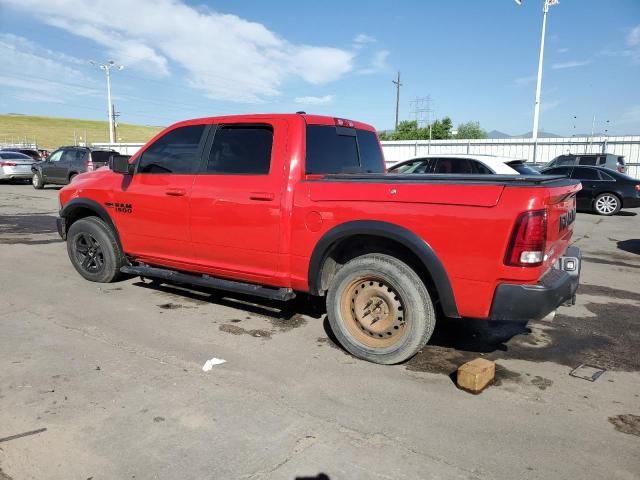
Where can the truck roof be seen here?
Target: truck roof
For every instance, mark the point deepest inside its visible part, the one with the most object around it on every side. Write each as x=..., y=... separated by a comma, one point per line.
x=310, y=119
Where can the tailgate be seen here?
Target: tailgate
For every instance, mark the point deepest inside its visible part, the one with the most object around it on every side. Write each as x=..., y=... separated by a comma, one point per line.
x=561, y=211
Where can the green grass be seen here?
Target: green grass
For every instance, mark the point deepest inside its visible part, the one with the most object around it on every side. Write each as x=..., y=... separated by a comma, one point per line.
x=50, y=133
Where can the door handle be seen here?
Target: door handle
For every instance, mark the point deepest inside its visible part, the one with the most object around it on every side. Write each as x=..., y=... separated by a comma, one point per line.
x=261, y=196
x=175, y=192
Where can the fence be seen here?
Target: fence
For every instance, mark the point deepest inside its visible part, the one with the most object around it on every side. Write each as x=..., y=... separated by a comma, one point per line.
x=545, y=150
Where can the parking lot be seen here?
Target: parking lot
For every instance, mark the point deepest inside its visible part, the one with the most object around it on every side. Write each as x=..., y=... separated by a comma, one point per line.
x=114, y=374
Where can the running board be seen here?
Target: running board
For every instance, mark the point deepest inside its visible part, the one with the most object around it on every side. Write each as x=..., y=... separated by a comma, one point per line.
x=282, y=294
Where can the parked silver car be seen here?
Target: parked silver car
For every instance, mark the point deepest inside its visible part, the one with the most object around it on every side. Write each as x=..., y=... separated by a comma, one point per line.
x=15, y=166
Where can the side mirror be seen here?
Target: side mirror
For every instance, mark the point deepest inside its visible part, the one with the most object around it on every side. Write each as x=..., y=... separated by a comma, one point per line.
x=120, y=164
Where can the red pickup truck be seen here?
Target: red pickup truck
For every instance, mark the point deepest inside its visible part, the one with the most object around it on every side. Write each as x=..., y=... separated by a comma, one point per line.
x=271, y=205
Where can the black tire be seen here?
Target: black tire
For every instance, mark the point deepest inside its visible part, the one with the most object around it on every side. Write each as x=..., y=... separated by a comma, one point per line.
x=37, y=182
x=402, y=304
x=94, y=251
x=607, y=204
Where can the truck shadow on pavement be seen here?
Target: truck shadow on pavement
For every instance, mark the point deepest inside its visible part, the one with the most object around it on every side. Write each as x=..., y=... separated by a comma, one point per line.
x=631, y=246
x=20, y=229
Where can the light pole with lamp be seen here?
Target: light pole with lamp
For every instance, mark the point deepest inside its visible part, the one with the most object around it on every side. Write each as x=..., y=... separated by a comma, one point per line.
x=106, y=67
x=536, y=109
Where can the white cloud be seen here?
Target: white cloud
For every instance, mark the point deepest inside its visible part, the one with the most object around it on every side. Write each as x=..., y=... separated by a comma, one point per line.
x=312, y=100
x=34, y=73
x=562, y=50
x=378, y=63
x=227, y=57
x=633, y=38
x=572, y=64
x=362, y=39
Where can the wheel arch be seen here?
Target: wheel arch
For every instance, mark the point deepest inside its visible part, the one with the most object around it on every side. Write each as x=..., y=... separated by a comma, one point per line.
x=79, y=208
x=381, y=237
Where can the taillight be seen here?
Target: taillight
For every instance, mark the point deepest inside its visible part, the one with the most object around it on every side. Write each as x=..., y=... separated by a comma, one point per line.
x=7, y=164
x=526, y=248
x=638, y=187
x=90, y=166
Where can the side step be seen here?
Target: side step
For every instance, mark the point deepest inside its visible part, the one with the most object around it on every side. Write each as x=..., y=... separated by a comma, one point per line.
x=282, y=294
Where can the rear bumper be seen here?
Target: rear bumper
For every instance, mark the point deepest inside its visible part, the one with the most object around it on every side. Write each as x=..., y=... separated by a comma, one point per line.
x=515, y=302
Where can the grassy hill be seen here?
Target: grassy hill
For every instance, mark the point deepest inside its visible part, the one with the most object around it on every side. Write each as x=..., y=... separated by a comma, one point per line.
x=51, y=132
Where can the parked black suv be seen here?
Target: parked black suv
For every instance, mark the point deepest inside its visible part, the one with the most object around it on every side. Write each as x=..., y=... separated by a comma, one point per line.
x=607, y=160
x=65, y=163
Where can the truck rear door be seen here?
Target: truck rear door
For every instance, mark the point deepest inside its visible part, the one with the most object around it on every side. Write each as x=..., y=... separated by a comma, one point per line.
x=236, y=200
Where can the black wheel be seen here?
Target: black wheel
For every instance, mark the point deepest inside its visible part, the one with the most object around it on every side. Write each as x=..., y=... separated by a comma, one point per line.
x=94, y=251
x=37, y=181
x=607, y=204
x=379, y=309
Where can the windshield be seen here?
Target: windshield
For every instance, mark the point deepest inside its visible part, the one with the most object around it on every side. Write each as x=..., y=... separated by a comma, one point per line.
x=14, y=156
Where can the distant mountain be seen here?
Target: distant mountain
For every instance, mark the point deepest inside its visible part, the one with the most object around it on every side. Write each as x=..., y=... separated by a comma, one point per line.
x=497, y=134
x=540, y=135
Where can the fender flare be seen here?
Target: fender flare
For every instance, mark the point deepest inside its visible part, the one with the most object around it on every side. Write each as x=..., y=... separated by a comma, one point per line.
x=84, y=203
x=407, y=238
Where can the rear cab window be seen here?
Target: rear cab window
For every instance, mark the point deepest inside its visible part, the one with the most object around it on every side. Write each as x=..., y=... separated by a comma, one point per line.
x=333, y=149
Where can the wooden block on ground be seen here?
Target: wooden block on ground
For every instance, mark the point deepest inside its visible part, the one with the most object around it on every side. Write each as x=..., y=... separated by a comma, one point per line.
x=475, y=375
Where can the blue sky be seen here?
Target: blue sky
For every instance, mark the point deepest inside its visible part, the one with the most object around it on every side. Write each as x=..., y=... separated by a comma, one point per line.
x=476, y=59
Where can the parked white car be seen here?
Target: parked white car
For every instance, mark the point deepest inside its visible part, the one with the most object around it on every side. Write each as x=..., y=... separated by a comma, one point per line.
x=464, y=164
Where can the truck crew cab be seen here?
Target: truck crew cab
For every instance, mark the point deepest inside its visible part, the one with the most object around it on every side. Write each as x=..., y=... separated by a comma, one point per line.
x=277, y=204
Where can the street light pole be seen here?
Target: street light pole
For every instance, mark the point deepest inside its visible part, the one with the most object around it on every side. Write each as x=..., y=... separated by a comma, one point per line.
x=536, y=109
x=106, y=67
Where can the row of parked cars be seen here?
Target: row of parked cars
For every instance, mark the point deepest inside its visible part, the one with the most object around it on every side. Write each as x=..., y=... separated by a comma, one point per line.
x=605, y=187
x=59, y=168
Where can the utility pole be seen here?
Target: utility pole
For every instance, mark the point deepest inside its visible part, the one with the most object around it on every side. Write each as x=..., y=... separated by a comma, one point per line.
x=397, y=83
x=115, y=116
x=106, y=67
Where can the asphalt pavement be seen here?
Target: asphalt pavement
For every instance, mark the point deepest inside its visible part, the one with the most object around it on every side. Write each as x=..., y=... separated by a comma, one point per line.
x=106, y=381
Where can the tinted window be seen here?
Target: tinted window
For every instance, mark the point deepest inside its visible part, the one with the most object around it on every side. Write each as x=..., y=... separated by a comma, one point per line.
x=328, y=152
x=241, y=150
x=480, y=168
x=14, y=156
x=72, y=155
x=175, y=152
x=585, y=174
x=606, y=177
x=452, y=165
x=556, y=171
x=565, y=160
x=371, y=159
x=588, y=160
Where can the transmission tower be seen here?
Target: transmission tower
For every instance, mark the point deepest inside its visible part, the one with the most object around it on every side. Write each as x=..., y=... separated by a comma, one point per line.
x=421, y=109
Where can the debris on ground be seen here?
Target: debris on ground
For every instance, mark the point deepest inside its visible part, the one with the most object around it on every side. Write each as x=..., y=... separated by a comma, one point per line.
x=475, y=375
x=587, y=372
x=209, y=364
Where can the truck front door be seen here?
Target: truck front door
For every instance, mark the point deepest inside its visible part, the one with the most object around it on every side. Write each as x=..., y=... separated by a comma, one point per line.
x=151, y=207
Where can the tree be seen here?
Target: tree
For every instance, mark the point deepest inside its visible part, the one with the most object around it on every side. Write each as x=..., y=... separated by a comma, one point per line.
x=470, y=130
x=441, y=129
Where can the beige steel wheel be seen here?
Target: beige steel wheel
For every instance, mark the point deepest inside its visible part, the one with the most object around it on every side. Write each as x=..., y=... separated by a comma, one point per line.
x=379, y=309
